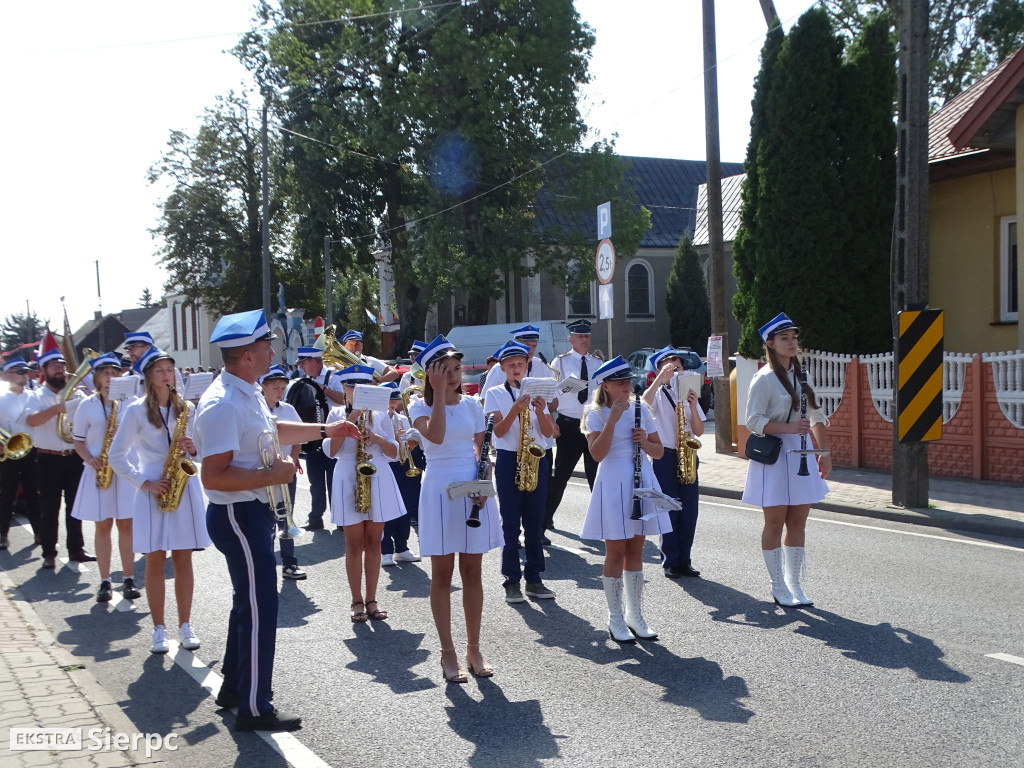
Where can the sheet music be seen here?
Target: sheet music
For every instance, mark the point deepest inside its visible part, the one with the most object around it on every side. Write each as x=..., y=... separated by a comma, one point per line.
x=369, y=397
x=470, y=487
x=571, y=385
x=663, y=501
x=124, y=388
x=197, y=384
x=686, y=383
x=535, y=386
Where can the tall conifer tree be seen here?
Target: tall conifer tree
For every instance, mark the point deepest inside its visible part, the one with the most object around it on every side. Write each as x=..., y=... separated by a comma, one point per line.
x=686, y=299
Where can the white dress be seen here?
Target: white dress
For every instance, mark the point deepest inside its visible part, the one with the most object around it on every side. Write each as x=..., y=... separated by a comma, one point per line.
x=778, y=484
x=138, y=454
x=385, y=499
x=611, y=503
x=91, y=503
x=442, y=526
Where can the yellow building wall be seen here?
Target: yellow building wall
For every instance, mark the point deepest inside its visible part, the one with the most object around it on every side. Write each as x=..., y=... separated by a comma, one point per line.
x=963, y=217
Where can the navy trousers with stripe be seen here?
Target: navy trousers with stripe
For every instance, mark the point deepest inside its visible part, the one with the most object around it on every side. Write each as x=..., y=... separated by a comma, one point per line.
x=676, y=545
x=521, y=510
x=244, y=532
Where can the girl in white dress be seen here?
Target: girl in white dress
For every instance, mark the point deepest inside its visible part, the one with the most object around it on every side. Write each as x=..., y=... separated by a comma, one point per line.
x=138, y=455
x=773, y=408
x=103, y=506
x=609, y=424
x=452, y=427
x=363, y=531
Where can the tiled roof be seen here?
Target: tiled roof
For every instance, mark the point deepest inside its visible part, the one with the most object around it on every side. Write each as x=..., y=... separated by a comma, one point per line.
x=732, y=187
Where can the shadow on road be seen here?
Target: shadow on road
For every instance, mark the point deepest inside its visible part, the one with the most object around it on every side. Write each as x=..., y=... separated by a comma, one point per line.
x=408, y=579
x=294, y=606
x=94, y=635
x=503, y=732
x=388, y=655
x=559, y=628
x=726, y=603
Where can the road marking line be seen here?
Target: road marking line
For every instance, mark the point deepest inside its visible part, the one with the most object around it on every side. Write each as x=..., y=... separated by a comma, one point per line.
x=1006, y=657
x=285, y=744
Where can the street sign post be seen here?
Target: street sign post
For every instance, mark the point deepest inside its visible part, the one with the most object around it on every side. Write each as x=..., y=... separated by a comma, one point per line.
x=605, y=267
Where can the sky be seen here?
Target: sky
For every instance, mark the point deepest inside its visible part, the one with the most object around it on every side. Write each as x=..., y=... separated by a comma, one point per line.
x=94, y=90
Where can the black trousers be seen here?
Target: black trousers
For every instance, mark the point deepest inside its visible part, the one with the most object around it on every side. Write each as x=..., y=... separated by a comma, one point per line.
x=571, y=444
x=12, y=474
x=59, y=476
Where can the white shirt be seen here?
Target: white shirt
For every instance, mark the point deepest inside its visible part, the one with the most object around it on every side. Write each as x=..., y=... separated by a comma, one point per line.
x=231, y=417
x=622, y=438
x=381, y=426
x=768, y=400
x=91, y=422
x=13, y=408
x=568, y=365
x=499, y=401
x=45, y=435
x=379, y=366
x=463, y=421
x=139, y=450
x=286, y=412
x=665, y=415
x=535, y=368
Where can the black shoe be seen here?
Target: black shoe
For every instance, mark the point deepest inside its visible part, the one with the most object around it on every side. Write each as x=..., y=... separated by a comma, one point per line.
x=81, y=556
x=227, y=699
x=544, y=540
x=105, y=593
x=270, y=721
x=128, y=590
x=689, y=570
x=315, y=525
x=686, y=570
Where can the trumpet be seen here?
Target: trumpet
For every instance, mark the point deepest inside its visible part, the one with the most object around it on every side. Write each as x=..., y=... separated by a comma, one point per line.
x=413, y=470
x=278, y=496
x=15, y=446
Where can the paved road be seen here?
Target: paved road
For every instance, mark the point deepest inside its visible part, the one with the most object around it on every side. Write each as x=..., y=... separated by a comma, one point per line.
x=891, y=668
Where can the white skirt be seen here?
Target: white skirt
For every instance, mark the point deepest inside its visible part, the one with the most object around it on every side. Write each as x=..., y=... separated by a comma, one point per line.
x=92, y=504
x=611, y=503
x=442, y=527
x=778, y=484
x=183, y=528
x=385, y=499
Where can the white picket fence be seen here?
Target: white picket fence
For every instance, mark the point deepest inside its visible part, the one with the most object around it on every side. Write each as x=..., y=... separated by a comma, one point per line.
x=1008, y=374
x=826, y=372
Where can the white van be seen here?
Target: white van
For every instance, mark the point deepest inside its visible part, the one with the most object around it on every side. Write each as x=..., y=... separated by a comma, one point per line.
x=478, y=342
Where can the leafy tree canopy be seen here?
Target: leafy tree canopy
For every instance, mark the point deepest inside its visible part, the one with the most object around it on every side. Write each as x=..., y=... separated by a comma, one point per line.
x=22, y=328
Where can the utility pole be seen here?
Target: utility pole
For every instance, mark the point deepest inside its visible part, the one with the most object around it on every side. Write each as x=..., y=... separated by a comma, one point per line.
x=719, y=318
x=910, y=241
x=265, y=174
x=328, y=288
x=99, y=299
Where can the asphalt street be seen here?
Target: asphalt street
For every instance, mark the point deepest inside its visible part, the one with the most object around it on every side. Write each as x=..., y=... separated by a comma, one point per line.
x=892, y=666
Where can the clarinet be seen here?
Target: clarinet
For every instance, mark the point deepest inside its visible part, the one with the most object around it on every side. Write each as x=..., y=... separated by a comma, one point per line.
x=473, y=521
x=803, y=415
x=637, y=478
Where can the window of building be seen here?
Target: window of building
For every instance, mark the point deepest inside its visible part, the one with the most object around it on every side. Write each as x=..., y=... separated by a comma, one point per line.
x=1008, y=269
x=639, y=290
x=174, y=324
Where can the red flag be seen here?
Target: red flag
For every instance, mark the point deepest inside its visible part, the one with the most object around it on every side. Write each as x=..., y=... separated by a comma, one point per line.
x=48, y=342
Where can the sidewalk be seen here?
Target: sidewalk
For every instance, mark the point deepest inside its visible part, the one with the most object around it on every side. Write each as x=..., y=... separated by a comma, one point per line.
x=43, y=685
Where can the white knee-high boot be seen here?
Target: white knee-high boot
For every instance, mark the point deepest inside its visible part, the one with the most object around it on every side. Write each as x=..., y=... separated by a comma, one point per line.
x=633, y=583
x=773, y=560
x=795, y=558
x=616, y=624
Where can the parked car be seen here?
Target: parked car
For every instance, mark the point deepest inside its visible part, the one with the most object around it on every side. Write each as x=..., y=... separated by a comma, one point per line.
x=643, y=374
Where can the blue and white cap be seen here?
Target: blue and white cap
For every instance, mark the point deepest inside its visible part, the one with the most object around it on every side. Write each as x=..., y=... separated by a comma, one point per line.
x=780, y=322
x=512, y=349
x=439, y=347
x=138, y=337
x=109, y=360
x=241, y=328
x=526, y=333
x=581, y=327
x=662, y=354
x=351, y=336
x=396, y=393
x=50, y=356
x=275, y=372
x=305, y=353
x=149, y=357
x=16, y=365
x=356, y=374
x=417, y=347
x=615, y=369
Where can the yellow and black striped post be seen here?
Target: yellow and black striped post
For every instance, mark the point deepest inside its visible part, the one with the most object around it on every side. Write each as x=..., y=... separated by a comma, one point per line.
x=919, y=376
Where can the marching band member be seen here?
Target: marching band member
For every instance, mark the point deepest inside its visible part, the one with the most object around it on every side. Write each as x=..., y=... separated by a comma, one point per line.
x=138, y=343
x=313, y=395
x=570, y=440
x=677, y=543
x=153, y=435
x=408, y=379
x=609, y=427
x=353, y=342
x=230, y=422
x=773, y=408
x=452, y=427
x=394, y=546
x=92, y=430
x=519, y=507
x=530, y=336
x=59, y=466
x=363, y=528
x=273, y=384
x=14, y=471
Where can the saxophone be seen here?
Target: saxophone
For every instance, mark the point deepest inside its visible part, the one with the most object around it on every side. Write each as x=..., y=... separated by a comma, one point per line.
x=529, y=456
x=64, y=425
x=178, y=467
x=105, y=475
x=365, y=470
x=686, y=447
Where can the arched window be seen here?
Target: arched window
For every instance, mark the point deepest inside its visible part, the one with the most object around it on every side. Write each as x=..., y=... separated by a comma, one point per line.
x=639, y=290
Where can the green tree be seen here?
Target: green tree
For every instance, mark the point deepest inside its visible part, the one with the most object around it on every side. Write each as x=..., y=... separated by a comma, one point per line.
x=22, y=328
x=211, y=220
x=686, y=299
x=146, y=299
